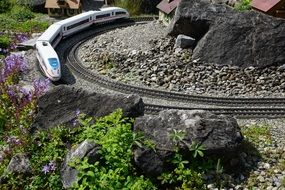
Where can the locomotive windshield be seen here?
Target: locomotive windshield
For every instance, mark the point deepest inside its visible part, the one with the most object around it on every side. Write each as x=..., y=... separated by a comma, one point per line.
x=53, y=63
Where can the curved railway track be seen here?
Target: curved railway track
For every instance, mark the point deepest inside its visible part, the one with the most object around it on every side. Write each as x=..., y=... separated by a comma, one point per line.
x=239, y=107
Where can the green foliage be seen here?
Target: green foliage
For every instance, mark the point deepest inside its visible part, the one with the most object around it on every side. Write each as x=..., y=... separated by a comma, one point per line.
x=5, y=41
x=5, y=6
x=133, y=6
x=33, y=25
x=197, y=149
x=184, y=175
x=46, y=147
x=243, y=5
x=257, y=133
x=21, y=13
x=114, y=135
x=177, y=136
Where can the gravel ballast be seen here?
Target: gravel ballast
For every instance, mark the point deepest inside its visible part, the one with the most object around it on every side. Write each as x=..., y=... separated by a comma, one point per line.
x=144, y=55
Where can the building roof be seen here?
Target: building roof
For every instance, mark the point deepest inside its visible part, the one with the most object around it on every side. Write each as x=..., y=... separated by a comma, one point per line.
x=168, y=7
x=264, y=5
x=73, y=4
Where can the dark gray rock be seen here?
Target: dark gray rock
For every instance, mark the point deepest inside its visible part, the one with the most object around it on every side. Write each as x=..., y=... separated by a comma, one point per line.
x=87, y=149
x=148, y=161
x=183, y=41
x=218, y=134
x=227, y=36
x=20, y=164
x=59, y=105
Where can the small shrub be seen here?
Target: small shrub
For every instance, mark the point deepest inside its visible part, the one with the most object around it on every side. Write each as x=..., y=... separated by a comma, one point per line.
x=133, y=6
x=114, y=134
x=243, y=5
x=5, y=6
x=21, y=13
x=5, y=41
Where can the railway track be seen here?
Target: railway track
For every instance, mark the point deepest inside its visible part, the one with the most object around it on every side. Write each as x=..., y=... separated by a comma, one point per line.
x=240, y=107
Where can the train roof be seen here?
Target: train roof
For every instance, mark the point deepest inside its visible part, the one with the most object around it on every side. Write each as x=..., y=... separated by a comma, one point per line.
x=47, y=33
x=76, y=17
x=46, y=50
x=111, y=9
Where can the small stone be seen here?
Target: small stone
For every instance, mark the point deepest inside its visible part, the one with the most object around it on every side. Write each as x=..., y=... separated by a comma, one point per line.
x=266, y=166
x=260, y=179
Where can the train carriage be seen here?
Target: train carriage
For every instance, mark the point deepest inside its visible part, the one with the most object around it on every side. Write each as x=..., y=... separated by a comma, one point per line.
x=49, y=61
x=76, y=23
x=46, y=43
x=52, y=35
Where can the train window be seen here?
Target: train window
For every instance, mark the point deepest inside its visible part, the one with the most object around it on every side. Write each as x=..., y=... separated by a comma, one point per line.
x=102, y=16
x=53, y=63
x=55, y=39
x=78, y=24
x=120, y=13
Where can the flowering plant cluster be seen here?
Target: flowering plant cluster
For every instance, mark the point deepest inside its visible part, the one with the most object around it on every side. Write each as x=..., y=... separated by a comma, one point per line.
x=9, y=42
x=17, y=104
x=51, y=166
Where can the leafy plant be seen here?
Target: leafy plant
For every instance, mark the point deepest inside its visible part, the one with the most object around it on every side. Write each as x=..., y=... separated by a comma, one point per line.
x=177, y=136
x=257, y=133
x=197, y=149
x=114, y=134
x=183, y=175
x=33, y=25
x=5, y=41
x=5, y=6
x=243, y=5
x=21, y=13
x=133, y=6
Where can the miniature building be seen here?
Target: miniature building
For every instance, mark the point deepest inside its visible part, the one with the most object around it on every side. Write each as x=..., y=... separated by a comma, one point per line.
x=58, y=8
x=167, y=10
x=272, y=7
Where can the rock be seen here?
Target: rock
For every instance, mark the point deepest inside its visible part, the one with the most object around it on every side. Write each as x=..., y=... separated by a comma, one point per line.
x=148, y=161
x=183, y=41
x=218, y=134
x=230, y=36
x=20, y=164
x=59, y=105
x=87, y=149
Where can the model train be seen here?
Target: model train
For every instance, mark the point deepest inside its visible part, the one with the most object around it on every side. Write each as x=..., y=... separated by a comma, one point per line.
x=45, y=44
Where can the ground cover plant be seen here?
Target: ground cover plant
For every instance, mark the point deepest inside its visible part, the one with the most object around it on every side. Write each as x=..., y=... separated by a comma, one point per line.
x=18, y=22
x=243, y=5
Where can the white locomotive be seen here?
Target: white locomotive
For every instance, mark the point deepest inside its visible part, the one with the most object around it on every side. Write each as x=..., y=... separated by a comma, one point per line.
x=49, y=61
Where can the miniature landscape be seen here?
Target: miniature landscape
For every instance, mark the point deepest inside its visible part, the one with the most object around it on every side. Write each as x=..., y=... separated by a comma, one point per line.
x=82, y=136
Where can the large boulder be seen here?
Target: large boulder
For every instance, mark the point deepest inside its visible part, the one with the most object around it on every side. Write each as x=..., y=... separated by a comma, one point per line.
x=59, y=105
x=227, y=36
x=218, y=134
x=87, y=149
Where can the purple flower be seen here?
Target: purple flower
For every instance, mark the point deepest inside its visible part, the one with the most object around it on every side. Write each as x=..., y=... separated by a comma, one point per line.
x=49, y=167
x=77, y=112
x=12, y=140
x=52, y=166
x=21, y=37
x=19, y=96
x=13, y=64
x=40, y=86
x=46, y=169
x=74, y=122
